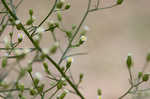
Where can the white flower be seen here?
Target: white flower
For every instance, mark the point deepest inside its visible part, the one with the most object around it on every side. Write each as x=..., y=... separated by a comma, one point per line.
x=17, y=22
x=86, y=28
x=130, y=54
x=38, y=75
x=67, y=91
x=40, y=30
x=20, y=36
x=63, y=79
x=37, y=37
x=45, y=50
x=70, y=60
x=6, y=42
x=19, y=52
x=26, y=50
x=51, y=22
x=56, y=44
x=62, y=1
x=6, y=54
x=33, y=18
x=83, y=38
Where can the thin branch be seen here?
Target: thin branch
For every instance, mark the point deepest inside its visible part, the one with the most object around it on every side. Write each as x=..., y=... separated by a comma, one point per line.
x=51, y=11
x=40, y=50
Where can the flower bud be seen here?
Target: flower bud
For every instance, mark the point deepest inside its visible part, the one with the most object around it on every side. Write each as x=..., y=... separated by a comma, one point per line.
x=54, y=48
x=30, y=12
x=73, y=26
x=148, y=57
x=99, y=93
x=120, y=1
x=20, y=37
x=69, y=62
x=67, y=6
x=32, y=92
x=69, y=34
x=60, y=4
x=60, y=84
x=140, y=74
x=38, y=76
x=21, y=87
x=29, y=22
x=62, y=96
x=29, y=69
x=45, y=65
x=40, y=30
x=129, y=61
x=59, y=17
x=41, y=87
x=18, y=24
x=80, y=78
x=145, y=77
x=4, y=61
x=82, y=40
x=6, y=42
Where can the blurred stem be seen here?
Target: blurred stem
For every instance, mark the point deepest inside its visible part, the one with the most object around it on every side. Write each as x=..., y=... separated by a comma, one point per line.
x=96, y=9
x=54, y=94
x=128, y=91
x=10, y=90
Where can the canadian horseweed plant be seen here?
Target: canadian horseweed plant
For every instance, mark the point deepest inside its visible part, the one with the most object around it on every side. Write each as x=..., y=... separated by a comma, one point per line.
x=61, y=81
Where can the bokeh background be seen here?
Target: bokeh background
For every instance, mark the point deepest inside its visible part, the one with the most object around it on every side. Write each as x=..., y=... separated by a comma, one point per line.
x=113, y=34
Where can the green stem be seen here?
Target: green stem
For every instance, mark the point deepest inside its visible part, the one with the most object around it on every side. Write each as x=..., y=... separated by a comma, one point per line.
x=10, y=90
x=51, y=11
x=76, y=32
x=39, y=49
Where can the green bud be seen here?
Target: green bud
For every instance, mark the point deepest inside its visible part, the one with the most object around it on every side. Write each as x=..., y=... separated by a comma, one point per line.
x=4, y=62
x=129, y=61
x=31, y=12
x=36, y=81
x=62, y=96
x=59, y=17
x=29, y=69
x=45, y=65
x=120, y=1
x=60, y=4
x=68, y=65
x=54, y=48
x=99, y=92
x=74, y=27
x=52, y=25
x=62, y=68
x=21, y=87
x=148, y=57
x=140, y=74
x=22, y=72
x=60, y=84
x=145, y=77
x=69, y=34
x=10, y=33
x=29, y=22
x=81, y=77
x=41, y=87
x=32, y=92
x=67, y=6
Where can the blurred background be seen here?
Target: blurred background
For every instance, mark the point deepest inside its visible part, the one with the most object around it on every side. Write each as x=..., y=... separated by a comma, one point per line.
x=113, y=34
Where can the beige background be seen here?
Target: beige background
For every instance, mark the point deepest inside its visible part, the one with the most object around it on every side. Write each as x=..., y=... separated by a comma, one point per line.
x=114, y=33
